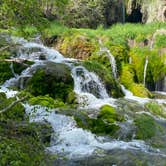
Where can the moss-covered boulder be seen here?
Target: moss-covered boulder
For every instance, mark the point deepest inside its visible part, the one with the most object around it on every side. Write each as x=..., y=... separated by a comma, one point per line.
x=106, y=122
x=52, y=79
x=109, y=114
x=146, y=126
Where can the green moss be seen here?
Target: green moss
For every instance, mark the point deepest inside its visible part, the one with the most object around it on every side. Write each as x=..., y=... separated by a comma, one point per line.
x=121, y=56
x=140, y=90
x=109, y=114
x=72, y=98
x=104, y=124
x=160, y=41
x=55, y=81
x=127, y=76
x=146, y=126
x=97, y=126
x=112, y=86
x=46, y=101
x=155, y=68
x=156, y=109
x=127, y=79
x=5, y=72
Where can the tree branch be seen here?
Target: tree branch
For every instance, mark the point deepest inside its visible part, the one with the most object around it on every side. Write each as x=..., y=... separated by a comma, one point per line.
x=17, y=60
x=12, y=104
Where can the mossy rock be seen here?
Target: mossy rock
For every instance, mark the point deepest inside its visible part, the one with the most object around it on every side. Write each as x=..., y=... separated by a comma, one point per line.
x=95, y=125
x=140, y=90
x=146, y=126
x=76, y=46
x=17, y=112
x=103, y=124
x=52, y=79
x=46, y=101
x=155, y=109
x=112, y=86
x=109, y=114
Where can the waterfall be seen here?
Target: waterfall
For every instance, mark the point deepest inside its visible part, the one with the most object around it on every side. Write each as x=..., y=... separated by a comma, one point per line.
x=111, y=58
x=130, y=60
x=113, y=63
x=67, y=139
x=145, y=70
x=88, y=82
x=91, y=92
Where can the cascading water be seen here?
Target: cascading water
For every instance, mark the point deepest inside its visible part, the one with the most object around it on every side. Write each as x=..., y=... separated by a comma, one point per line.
x=111, y=58
x=89, y=88
x=67, y=138
x=145, y=70
x=75, y=142
x=89, y=82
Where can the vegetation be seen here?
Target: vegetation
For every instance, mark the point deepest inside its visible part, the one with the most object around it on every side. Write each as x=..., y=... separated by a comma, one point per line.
x=105, y=123
x=156, y=109
x=65, y=25
x=146, y=127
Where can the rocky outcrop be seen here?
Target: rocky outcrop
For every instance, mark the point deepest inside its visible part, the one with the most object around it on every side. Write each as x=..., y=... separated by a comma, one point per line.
x=150, y=10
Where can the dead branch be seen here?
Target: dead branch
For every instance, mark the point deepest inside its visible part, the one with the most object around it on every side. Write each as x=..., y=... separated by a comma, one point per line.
x=12, y=104
x=16, y=60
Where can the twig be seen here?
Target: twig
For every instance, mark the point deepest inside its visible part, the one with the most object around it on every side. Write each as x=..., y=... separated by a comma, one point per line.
x=12, y=104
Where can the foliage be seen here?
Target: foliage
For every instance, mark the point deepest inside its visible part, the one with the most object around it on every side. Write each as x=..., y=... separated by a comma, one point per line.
x=160, y=41
x=156, y=109
x=17, y=112
x=46, y=101
x=146, y=126
x=5, y=72
x=23, y=144
x=20, y=13
x=109, y=114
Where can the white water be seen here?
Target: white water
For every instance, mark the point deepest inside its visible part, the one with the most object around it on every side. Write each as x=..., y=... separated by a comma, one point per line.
x=129, y=95
x=67, y=138
x=89, y=89
x=111, y=58
x=75, y=142
x=145, y=70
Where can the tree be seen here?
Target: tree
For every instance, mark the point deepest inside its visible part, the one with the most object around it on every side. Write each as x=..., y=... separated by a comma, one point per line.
x=27, y=12
x=20, y=13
